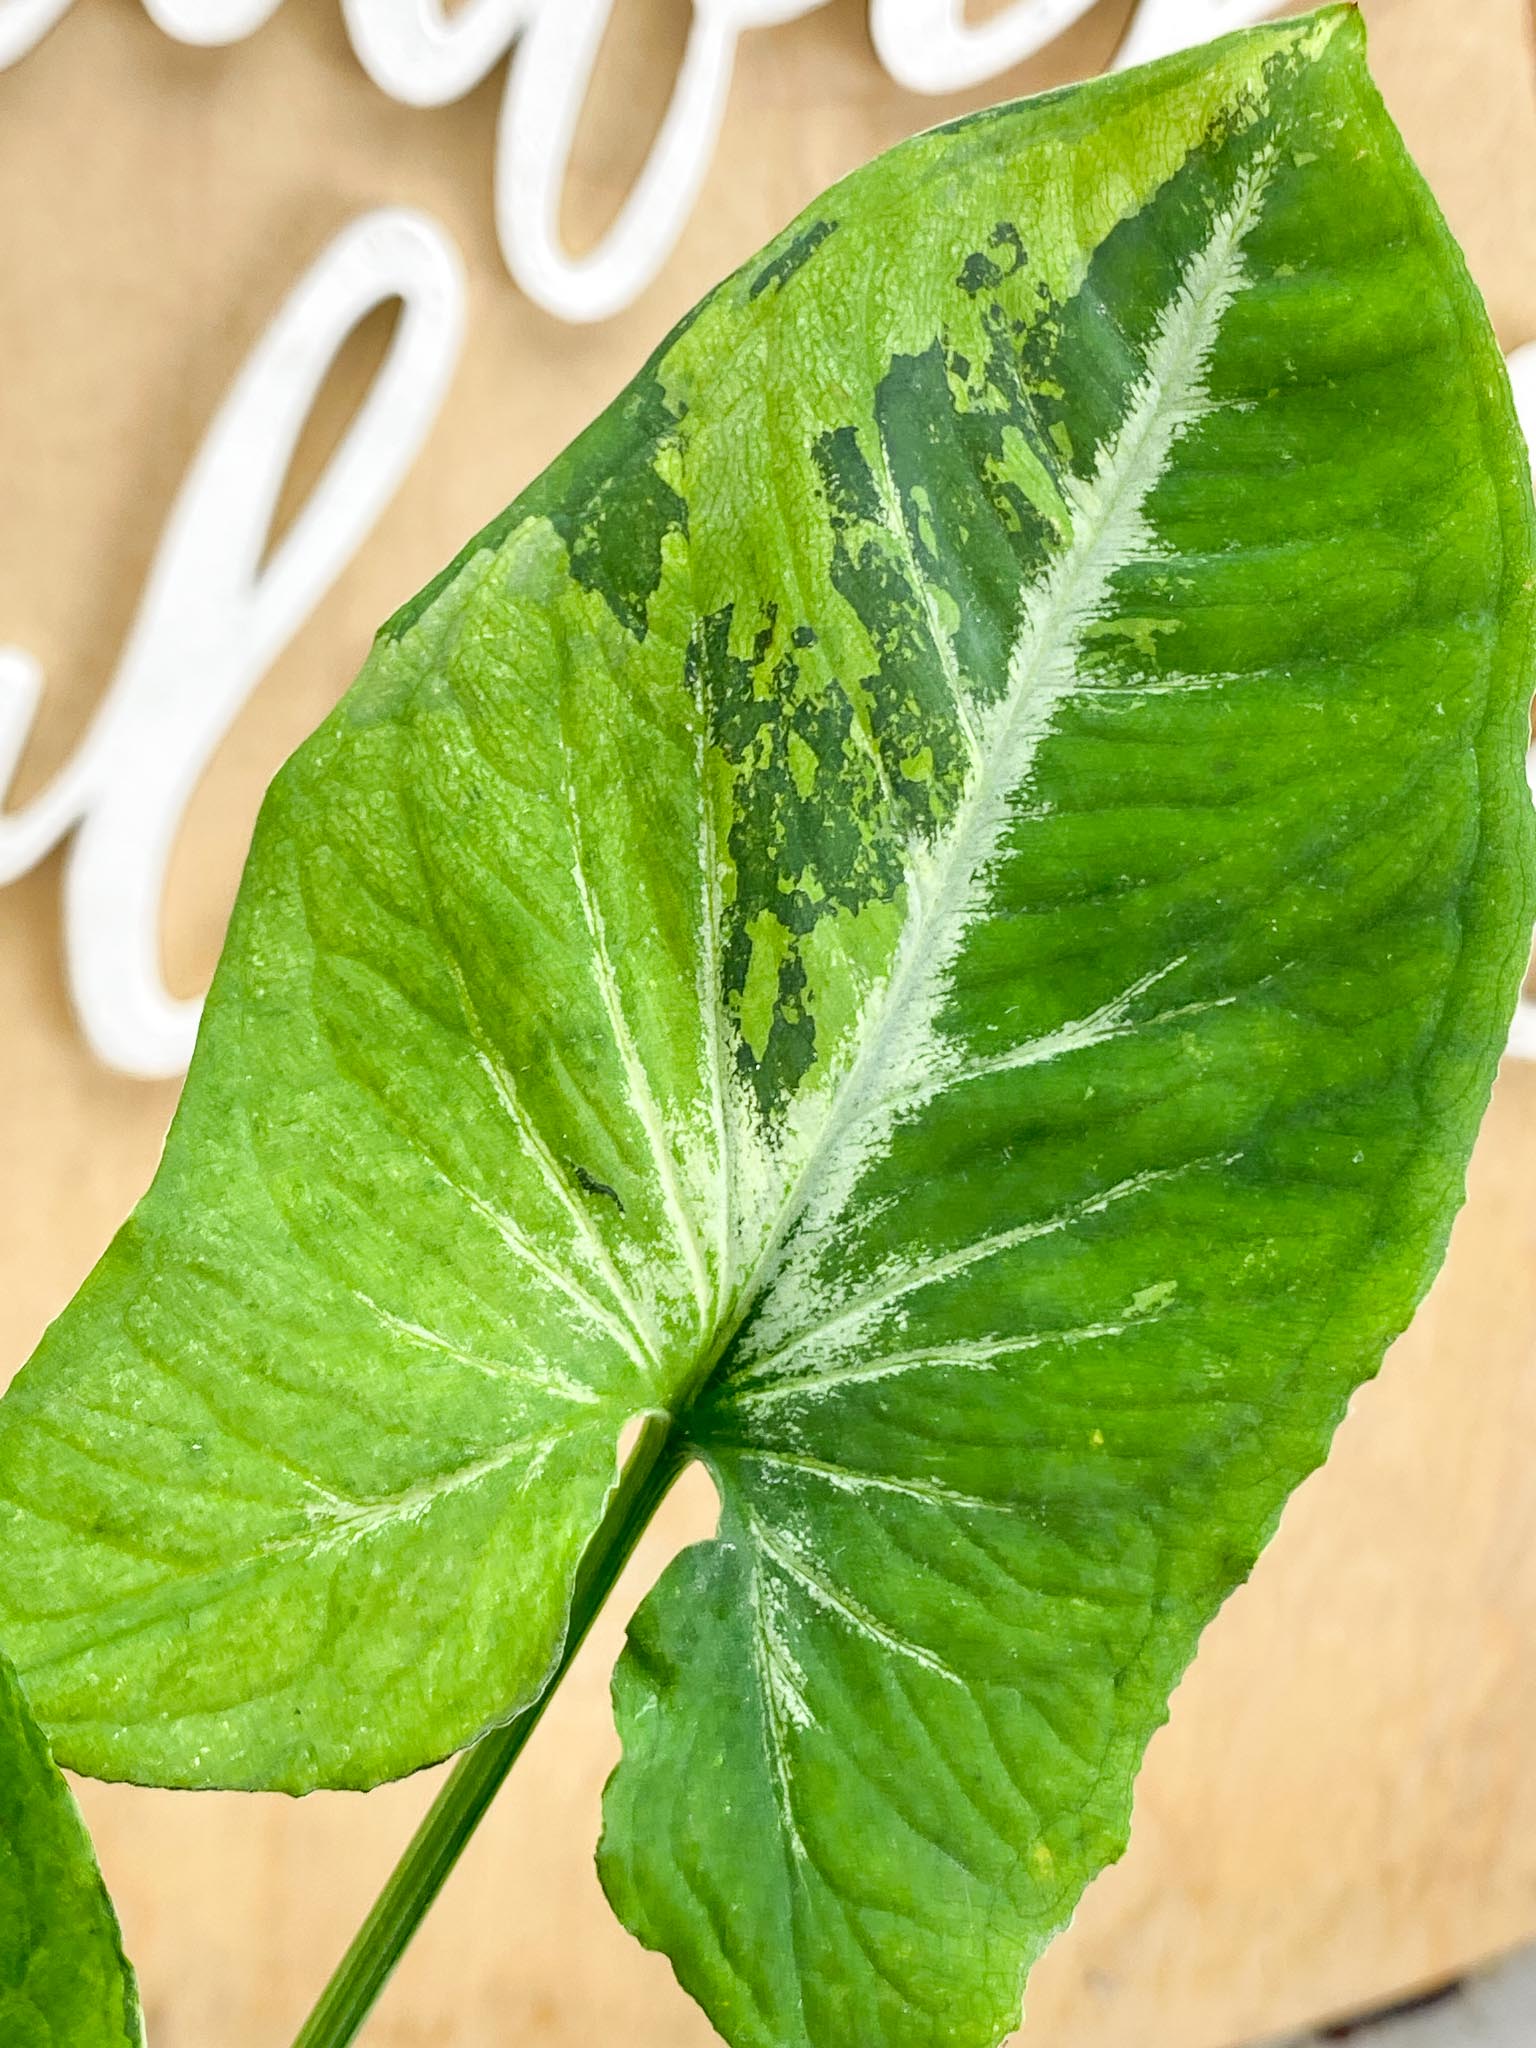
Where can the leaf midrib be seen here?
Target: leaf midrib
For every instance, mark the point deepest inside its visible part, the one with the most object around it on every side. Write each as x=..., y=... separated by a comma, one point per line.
x=1045, y=636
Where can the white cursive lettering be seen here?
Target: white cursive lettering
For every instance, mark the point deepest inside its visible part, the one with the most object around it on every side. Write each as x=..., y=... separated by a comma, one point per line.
x=215, y=615
x=546, y=87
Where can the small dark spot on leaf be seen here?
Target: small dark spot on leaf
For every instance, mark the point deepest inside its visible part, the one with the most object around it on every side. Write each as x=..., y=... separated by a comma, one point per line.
x=591, y=1185
x=762, y=643
x=981, y=272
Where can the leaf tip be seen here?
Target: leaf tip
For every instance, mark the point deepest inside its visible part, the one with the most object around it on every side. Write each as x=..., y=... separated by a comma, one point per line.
x=1342, y=17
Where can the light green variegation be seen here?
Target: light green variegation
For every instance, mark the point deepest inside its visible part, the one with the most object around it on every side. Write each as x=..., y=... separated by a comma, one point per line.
x=935, y=905
x=64, y=1982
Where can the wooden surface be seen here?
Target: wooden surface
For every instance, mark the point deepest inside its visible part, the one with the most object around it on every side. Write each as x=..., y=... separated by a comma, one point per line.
x=1342, y=1807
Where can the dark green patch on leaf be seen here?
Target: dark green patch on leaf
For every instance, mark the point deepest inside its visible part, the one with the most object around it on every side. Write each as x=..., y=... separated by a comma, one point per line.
x=793, y=256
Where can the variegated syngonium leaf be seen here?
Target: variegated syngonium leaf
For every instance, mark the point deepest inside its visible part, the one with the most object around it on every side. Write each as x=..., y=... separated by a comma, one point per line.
x=64, y=1981
x=936, y=902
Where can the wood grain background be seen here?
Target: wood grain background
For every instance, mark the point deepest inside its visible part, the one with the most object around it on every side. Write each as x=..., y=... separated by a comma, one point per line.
x=1343, y=1806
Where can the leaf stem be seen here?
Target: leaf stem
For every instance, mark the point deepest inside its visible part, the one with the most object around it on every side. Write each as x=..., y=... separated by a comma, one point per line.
x=466, y=1797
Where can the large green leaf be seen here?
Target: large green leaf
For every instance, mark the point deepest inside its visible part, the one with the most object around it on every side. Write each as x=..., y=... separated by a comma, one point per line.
x=937, y=902
x=64, y=1981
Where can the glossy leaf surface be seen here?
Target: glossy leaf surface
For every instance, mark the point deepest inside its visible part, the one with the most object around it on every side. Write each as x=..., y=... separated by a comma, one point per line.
x=64, y=1982
x=937, y=902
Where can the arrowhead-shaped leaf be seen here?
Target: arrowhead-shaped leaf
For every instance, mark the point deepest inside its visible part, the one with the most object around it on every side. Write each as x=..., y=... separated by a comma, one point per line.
x=64, y=1981
x=937, y=903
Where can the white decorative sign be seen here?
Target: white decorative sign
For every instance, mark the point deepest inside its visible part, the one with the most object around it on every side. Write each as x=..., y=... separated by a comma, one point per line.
x=216, y=614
